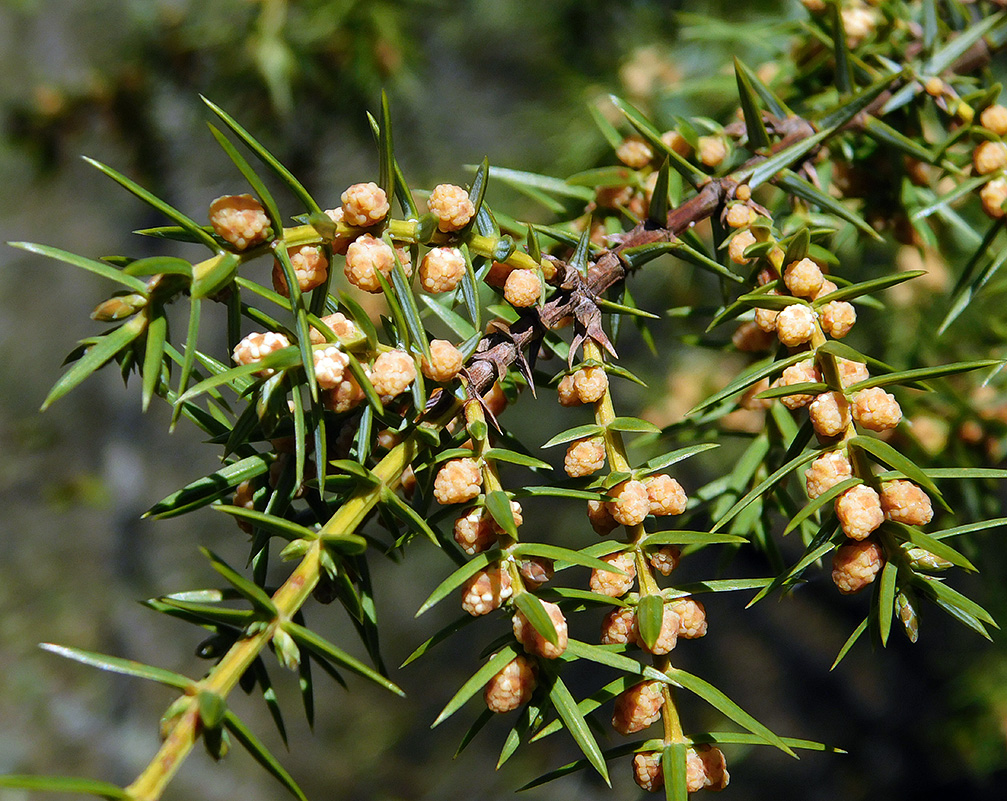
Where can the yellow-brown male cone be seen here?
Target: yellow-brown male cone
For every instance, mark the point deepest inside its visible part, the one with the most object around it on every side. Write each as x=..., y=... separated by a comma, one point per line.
x=511, y=687
x=638, y=707
x=535, y=643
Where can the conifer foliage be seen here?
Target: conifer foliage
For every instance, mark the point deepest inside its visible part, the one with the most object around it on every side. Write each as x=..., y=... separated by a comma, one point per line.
x=363, y=403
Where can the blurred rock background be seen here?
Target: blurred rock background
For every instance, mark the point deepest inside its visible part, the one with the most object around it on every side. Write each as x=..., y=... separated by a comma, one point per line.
x=119, y=80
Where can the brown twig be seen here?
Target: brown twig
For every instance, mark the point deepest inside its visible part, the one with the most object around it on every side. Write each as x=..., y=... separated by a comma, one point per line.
x=576, y=298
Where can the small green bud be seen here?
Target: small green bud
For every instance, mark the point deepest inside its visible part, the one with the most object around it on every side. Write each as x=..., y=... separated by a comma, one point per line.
x=212, y=709
x=504, y=248
x=328, y=563
x=217, y=743
x=905, y=606
x=295, y=550
x=286, y=650
x=426, y=228
x=922, y=558
x=168, y=720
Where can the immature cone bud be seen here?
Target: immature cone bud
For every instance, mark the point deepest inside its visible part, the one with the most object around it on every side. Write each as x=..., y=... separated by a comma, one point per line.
x=695, y=771
x=766, y=319
x=851, y=372
x=495, y=399
x=638, y=707
x=364, y=205
x=804, y=372
x=515, y=512
x=408, y=481
x=749, y=399
x=243, y=497
x=458, y=481
x=445, y=361
x=994, y=118
x=392, y=373
x=666, y=496
x=613, y=584
x=619, y=626
x=855, y=565
x=634, y=152
x=859, y=23
x=536, y=571
x=830, y=414
x=344, y=397
x=826, y=471
x=330, y=364
x=601, y=518
x=803, y=278
x=647, y=771
x=750, y=338
x=673, y=140
x=256, y=347
x=240, y=220
x=522, y=288
x=993, y=196
x=714, y=768
x=498, y=273
x=451, y=206
x=989, y=157
x=712, y=150
x=311, y=268
x=441, y=270
x=486, y=590
x=475, y=531
x=566, y=392
x=665, y=559
x=876, y=409
x=736, y=248
x=341, y=327
x=795, y=325
x=584, y=457
x=118, y=307
x=668, y=638
x=511, y=687
x=339, y=243
x=837, y=317
x=590, y=383
x=828, y=287
x=405, y=257
x=533, y=642
x=859, y=511
x=631, y=504
x=366, y=257
x=740, y=216
x=904, y=502
x=692, y=618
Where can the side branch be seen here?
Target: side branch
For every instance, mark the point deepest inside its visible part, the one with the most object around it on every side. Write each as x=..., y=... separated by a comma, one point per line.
x=288, y=599
x=503, y=347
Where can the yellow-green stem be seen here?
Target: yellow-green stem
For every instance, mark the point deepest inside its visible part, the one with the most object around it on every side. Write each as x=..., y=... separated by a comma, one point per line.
x=604, y=413
x=830, y=368
x=669, y=712
x=648, y=584
x=151, y=783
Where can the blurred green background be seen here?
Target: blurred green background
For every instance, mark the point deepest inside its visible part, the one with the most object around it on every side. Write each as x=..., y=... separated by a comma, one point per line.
x=119, y=80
